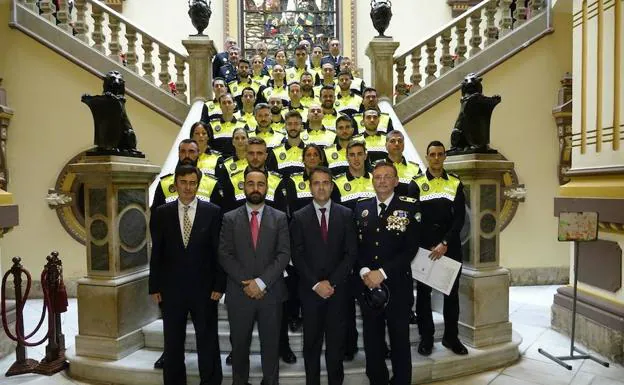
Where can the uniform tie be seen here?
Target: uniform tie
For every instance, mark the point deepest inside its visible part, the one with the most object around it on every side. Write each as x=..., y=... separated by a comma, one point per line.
x=186, y=225
x=253, y=224
x=383, y=208
x=323, y=224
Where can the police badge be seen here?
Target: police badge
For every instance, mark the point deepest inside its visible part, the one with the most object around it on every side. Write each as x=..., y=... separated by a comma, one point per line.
x=172, y=188
x=234, y=88
x=233, y=166
x=347, y=187
x=305, y=136
x=425, y=187
x=334, y=156
x=302, y=185
x=337, y=104
x=292, y=76
x=418, y=217
x=241, y=185
x=364, y=213
x=217, y=128
x=282, y=156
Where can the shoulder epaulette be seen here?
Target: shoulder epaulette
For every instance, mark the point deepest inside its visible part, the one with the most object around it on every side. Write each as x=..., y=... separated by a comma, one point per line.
x=278, y=146
x=215, y=152
x=365, y=199
x=237, y=172
x=408, y=199
x=218, y=120
x=330, y=146
x=228, y=159
x=275, y=174
x=414, y=163
x=453, y=175
x=357, y=136
x=296, y=174
x=209, y=176
x=166, y=176
x=344, y=174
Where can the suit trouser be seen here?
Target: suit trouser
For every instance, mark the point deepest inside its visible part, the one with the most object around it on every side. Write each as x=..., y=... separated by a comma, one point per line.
x=351, y=333
x=242, y=317
x=291, y=306
x=324, y=319
x=450, y=312
x=204, y=317
x=396, y=316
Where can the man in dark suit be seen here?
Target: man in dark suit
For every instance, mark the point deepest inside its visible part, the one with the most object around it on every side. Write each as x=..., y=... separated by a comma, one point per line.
x=388, y=228
x=334, y=56
x=254, y=250
x=185, y=276
x=221, y=58
x=324, y=250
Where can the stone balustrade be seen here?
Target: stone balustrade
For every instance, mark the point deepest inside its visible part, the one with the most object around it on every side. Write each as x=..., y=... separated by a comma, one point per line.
x=460, y=39
x=114, y=36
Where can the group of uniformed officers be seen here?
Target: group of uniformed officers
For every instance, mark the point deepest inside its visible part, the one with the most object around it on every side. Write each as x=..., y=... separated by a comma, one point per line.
x=298, y=125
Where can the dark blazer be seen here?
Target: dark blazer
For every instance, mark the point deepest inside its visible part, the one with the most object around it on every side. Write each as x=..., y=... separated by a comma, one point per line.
x=330, y=59
x=390, y=249
x=267, y=262
x=316, y=260
x=194, y=269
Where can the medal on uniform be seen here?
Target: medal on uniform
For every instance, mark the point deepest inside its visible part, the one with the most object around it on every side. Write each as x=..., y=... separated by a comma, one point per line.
x=282, y=156
x=347, y=187
x=334, y=155
x=233, y=166
x=302, y=185
x=364, y=213
x=418, y=217
x=172, y=188
x=425, y=187
x=397, y=223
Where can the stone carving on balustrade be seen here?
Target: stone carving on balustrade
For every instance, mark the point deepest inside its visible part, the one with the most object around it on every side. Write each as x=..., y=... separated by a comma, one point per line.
x=200, y=12
x=471, y=133
x=113, y=132
x=381, y=13
x=562, y=113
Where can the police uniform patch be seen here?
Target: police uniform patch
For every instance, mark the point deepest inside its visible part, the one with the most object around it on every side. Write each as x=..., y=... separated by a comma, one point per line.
x=334, y=155
x=418, y=217
x=211, y=106
x=337, y=104
x=425, y=187
x=364, y=213
x=234, y=89
x=241, y=185
x=233, y=166
x=172, y=188
x=347, y=187
x=282, y=156
x=302, y=185
x=292, y=76
x=305, y=136
x=217, y=128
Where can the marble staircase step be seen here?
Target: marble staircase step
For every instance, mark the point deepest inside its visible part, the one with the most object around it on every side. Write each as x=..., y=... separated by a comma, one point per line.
x=137, y=368
x=154, y=336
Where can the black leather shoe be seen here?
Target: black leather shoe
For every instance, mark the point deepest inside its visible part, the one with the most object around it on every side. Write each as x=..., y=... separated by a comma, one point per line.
x=412, y=318
x=288, y=356
x=160, y=362
x=228, y=359
x=425, y=348
x=456, y=347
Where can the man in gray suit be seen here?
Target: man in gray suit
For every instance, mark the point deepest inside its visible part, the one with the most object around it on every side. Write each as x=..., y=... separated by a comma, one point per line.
x=254, y=250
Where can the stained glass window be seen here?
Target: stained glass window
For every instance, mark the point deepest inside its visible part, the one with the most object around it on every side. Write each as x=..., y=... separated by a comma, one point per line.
x=283, y=23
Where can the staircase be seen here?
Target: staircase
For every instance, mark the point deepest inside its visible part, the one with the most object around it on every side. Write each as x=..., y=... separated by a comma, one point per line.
x=496, y=33
x=137, y=368
x=91, y=37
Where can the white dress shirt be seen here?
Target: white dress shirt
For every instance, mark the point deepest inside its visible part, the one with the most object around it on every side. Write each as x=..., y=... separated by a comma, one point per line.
x=260, y=210
x=191, y=213
x=317, y=209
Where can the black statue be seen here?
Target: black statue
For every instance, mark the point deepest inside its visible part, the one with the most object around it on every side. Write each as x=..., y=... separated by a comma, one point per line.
x=381, y=13
x=113, y=132
x=200, y=13
x=471, y=133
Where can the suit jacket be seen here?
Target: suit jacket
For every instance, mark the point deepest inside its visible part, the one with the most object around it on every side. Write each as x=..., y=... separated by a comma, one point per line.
x=330, y=59
x=316, y=260
x=385, y=243
x=175, y=269
x=267, y=262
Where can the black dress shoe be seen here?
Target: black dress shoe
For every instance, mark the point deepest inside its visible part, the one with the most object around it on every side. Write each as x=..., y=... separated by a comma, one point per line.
x=288, y=356
x=412, y=318
x=160, y=362
x=425, y=348
x=228, y=359
x=456, y=346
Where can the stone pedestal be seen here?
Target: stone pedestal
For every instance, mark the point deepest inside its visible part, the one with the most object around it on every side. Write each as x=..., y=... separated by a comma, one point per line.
x=484, y=285
x=113, y=300
x=201, y=50
x=380, y=51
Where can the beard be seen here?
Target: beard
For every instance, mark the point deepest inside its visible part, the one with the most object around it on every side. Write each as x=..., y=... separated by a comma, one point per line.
x=306, y=88
x=187, y=161
x=254, y=197
x=276, y=110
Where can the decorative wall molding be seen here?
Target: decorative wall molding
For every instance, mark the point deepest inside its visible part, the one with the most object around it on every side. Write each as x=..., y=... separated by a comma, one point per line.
x=66, y=198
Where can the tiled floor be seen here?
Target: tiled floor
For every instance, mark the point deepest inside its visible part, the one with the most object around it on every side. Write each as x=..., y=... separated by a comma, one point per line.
x=529, y=311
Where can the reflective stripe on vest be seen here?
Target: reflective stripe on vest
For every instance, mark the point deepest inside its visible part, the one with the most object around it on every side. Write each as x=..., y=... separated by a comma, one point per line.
x=437, y=188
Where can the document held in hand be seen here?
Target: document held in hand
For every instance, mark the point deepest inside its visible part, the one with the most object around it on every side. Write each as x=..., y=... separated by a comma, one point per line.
x=439, y=274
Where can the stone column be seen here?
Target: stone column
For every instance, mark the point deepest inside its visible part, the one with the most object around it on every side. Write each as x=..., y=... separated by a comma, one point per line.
x=380, y=51
x=484, y=285
x=113, y=300
x=201, y=50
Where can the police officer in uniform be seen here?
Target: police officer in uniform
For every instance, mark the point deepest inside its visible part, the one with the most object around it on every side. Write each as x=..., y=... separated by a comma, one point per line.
x=221, y=58
x=336, y=154
x=307, y=90
x=348, y=101
x=441, y=196
x=263, y=129
x=243, y=80
x=238, y=161
x=388, y=228
x=229, y=71
x=248, y=102
x=288, y=155
x=407, y=170
x=329, y=104
x=212, y=108
x=294, y=93
x=316, y=132
x=277, y=110
x=375, y=140
x=276, y=86
x=369, y=100
x=209, y=161
x=223, y=127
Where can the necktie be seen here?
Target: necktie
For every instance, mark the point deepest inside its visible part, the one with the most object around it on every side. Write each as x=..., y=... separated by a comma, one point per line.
x=253, y=224
x=323, y=224
x=186, y=225
x=383, y=207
